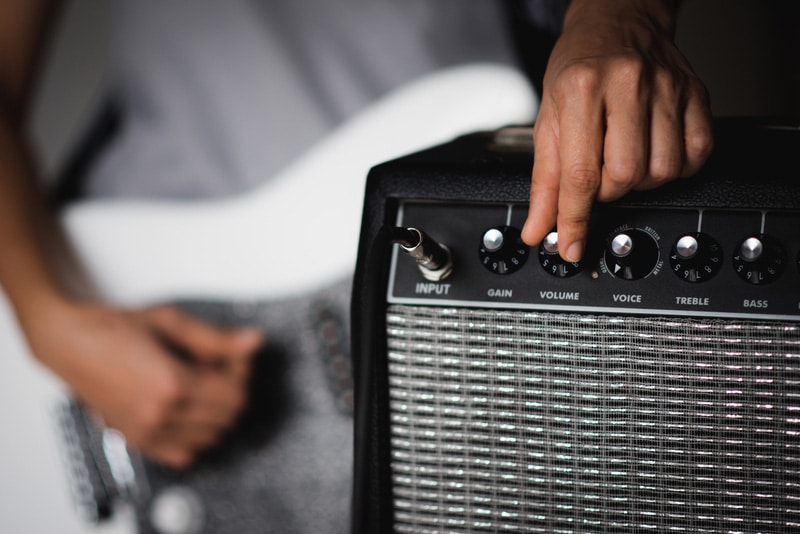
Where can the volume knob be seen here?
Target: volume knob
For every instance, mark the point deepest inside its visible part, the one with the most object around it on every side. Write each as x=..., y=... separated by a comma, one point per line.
x=550, y=260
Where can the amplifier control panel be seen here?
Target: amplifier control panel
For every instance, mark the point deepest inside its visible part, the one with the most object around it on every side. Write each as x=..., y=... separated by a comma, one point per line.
x=664, y=261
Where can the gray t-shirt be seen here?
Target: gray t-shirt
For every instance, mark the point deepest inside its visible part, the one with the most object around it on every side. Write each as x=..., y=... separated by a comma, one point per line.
x=217, y=96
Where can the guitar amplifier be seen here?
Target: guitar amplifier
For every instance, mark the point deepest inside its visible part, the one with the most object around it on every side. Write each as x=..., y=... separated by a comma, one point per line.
x=654, y=386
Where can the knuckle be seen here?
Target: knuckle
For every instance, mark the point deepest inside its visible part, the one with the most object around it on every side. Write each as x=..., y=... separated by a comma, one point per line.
x=664, y=168
x=699, y=143
x=625, y=174
x=583, y=179
x=629, y=68
x=579, y=77
x=667, y=83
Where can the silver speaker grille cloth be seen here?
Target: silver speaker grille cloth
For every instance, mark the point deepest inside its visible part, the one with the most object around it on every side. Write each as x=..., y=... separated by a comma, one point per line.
x=539, y=422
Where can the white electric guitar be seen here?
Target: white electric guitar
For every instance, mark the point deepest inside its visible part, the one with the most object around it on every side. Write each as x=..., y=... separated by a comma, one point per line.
x=140, y=253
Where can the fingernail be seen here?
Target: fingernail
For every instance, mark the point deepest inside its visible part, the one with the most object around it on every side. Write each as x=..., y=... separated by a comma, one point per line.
x=527, y=228
x=575, y=251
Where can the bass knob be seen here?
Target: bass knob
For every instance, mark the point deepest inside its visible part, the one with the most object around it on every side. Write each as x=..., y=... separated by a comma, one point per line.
x=759, y=259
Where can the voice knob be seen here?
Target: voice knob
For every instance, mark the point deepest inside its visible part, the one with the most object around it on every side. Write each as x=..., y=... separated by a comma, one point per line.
x=621, y=245
x=759, y=259
x=696, y=257
x=502, y=250
x=631, y=254
x=551, y=262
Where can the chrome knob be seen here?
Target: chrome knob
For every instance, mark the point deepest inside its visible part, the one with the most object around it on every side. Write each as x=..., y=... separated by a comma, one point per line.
x=502, y=250
x=621, y=245
x=493, y=239
x=752, y=248
x=550, y=242
x=686, y=247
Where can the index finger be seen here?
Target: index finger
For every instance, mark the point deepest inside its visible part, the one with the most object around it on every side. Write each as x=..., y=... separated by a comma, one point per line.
x=581, y=151
x=545, y=176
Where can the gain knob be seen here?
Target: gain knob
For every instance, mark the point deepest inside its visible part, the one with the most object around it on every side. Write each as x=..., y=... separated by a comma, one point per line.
x=696, y=257
x=631, y=254
x=502, y=250
x=551, y=262
x=759, y=259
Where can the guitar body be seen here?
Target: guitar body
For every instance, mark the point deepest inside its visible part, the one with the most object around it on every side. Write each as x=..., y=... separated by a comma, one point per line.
x=280, y=257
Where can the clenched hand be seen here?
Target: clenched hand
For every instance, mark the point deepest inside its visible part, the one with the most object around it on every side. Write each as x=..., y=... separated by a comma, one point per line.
x=120, y=364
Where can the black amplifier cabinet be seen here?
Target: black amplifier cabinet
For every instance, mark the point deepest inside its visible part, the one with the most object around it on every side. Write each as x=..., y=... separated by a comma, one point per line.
x=653, y=387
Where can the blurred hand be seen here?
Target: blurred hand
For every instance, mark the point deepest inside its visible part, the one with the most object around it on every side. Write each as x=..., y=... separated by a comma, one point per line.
x=621, y=110
x=118, y=363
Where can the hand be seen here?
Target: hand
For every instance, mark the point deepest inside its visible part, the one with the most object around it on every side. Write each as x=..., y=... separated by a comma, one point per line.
x=621, y=110
x=118, y=363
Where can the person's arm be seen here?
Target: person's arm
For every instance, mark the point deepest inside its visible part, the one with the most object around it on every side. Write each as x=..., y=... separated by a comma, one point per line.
x=621, y=110
x=114, y=360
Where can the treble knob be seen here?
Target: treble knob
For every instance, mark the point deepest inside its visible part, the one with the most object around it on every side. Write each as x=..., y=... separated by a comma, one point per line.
x=550, y=260
x=686, y=247
x=502, y=250
x=696, y=257
x=759, y=259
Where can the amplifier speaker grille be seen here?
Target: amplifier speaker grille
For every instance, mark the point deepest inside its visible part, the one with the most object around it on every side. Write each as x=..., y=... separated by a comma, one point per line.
x=547, y=422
